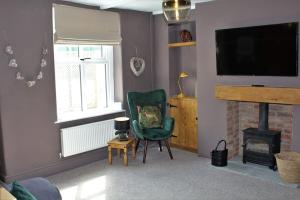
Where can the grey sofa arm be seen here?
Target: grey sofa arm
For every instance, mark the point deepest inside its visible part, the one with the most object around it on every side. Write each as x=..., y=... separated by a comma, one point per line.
x=41, y=188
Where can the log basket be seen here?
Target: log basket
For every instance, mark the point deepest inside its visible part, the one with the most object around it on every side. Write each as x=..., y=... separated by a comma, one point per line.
x=288, y=164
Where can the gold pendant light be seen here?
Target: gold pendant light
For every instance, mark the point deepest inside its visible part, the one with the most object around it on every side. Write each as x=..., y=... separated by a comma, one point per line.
x=176, y=10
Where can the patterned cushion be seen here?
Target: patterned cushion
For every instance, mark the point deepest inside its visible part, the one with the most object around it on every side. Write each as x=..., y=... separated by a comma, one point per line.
x=150, y=116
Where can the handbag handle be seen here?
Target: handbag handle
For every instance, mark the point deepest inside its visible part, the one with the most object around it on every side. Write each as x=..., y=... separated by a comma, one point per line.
x=220, y=143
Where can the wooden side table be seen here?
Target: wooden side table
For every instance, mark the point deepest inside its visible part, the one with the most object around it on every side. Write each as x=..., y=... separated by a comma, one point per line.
x=121, y=145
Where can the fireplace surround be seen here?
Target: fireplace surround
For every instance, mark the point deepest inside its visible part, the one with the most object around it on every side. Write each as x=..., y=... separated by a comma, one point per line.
x=242, y=113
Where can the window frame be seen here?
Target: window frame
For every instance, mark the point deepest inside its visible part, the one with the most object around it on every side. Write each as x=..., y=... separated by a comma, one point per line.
x=107, y=58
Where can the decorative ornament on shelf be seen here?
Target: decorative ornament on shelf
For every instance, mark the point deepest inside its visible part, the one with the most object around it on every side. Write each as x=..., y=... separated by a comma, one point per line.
x=137, y=64
x=19, y=76
x=186, y=36
x=176, y=10
x=181, y=75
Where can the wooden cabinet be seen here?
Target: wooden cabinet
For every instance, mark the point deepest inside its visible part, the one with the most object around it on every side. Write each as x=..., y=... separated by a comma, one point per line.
x=185, y=110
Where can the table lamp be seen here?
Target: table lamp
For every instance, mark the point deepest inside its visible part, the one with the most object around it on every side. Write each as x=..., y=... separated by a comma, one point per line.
x=122, y=126
x=181, y=75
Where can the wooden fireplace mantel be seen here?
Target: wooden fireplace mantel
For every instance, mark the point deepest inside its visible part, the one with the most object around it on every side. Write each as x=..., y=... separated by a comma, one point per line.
x=276, y=95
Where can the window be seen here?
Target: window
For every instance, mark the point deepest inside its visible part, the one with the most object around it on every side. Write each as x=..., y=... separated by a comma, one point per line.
x=84, y=80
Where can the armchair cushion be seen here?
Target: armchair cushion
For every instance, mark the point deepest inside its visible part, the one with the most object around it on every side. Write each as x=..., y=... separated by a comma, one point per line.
x=150, y=116
x=156, y=134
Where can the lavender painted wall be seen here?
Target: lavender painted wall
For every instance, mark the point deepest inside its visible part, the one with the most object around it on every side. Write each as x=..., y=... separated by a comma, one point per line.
x=183, y=59
x=31, y=142
x=228, y=14
x=161, y=54
x=188, y=62
x=137, y=33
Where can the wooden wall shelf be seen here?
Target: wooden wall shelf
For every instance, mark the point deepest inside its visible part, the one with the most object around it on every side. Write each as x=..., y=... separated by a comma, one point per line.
x=182, y=44
x=276, y=95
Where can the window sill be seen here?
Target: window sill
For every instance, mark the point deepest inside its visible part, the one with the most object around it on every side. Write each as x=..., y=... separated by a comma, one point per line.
x=89, y=115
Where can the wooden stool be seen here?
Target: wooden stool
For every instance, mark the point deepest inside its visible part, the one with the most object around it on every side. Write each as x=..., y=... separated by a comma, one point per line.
x=119, y=145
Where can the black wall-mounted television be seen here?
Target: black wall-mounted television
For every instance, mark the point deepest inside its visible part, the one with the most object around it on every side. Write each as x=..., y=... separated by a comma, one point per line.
x=269, y=50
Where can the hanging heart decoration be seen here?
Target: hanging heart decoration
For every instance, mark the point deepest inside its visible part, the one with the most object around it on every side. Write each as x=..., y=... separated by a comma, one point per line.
x=13, y=64
x=137, y=65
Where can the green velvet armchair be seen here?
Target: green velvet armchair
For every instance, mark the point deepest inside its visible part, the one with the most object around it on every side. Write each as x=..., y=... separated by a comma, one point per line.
x=152, y=98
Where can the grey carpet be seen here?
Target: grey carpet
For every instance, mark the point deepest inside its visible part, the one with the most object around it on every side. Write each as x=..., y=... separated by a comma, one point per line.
x=186, y=177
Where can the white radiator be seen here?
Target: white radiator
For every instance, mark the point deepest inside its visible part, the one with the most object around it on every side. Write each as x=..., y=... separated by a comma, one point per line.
x=83, y=138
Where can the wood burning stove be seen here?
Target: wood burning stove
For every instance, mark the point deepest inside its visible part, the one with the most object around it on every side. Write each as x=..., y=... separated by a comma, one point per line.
x=260, y=144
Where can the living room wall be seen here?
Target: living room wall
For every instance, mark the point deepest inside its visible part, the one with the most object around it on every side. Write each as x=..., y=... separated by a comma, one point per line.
x=215, y=15
x=30, y=138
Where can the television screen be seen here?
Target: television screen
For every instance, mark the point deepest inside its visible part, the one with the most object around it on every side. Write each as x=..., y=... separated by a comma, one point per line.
x=270, y=50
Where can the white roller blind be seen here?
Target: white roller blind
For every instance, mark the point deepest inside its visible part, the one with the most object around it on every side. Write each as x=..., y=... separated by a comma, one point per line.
x=85, y=26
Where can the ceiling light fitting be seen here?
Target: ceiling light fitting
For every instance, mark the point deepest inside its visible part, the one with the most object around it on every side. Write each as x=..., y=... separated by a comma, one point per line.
x=176, y=10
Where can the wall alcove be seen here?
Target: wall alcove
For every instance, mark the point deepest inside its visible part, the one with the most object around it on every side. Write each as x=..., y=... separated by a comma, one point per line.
x=182, y=57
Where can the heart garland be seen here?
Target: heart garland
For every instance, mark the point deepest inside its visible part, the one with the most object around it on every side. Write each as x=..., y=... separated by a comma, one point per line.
x=13, y=64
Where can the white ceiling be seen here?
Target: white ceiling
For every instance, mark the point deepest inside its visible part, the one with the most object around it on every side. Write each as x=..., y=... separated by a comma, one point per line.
x=153, y=6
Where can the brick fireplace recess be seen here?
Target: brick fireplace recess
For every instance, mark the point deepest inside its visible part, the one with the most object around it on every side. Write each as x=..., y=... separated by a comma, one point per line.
x=261, y=144
x=242, y=115
x=259, y=128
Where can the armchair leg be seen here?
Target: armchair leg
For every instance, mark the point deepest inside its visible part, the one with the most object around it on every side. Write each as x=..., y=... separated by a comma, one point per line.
x=159, y=143
x=169, y=149
x=145, y=151
x=137, y=145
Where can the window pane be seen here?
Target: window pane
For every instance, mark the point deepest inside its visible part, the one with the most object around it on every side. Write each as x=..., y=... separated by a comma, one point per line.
x=95, y=85
x=90, y=51
x=83, y=84
x=66, y=52
x=68, y=92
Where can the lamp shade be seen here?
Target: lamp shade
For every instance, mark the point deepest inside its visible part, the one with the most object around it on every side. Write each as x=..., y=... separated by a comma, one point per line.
x=122, y=123
x=176, y=10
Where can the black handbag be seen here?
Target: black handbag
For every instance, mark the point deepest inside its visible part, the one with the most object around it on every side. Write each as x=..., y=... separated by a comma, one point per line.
x=219, y=157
